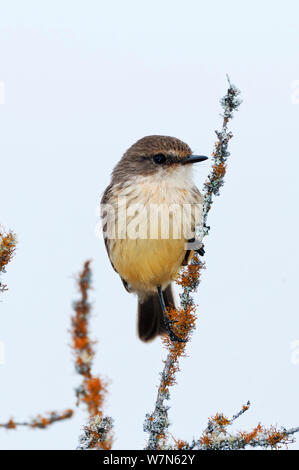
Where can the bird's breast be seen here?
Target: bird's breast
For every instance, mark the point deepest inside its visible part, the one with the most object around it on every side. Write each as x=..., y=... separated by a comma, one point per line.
x=153, y=219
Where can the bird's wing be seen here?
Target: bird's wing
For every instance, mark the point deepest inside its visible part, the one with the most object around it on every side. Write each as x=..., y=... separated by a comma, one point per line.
x=105, y=200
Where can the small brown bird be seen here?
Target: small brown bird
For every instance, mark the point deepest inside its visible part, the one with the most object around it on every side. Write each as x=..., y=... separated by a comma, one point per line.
x=144, y=213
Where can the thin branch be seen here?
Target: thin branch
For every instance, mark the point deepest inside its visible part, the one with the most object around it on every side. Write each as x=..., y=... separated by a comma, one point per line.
x=156, y=424
x=40, y=422
x=217, y=437
x=98, y=432
x=8, y=243
x=215, y=180
x=7, y=248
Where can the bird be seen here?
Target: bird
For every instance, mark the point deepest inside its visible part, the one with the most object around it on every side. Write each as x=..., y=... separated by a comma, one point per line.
x=152, y=184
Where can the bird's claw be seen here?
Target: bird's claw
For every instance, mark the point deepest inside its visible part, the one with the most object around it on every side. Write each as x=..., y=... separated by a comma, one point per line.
x=201, y=251
x=171, y=334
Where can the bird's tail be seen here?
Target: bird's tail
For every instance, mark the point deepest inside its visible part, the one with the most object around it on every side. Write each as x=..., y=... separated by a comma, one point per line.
x=150, y=316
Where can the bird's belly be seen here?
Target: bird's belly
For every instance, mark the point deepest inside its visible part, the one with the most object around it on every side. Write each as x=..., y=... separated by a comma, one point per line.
x=149, y=246
x=147, y=263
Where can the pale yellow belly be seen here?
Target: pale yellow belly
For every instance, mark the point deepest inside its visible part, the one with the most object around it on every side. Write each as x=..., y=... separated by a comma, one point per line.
x=145, y=264
x=154, y=257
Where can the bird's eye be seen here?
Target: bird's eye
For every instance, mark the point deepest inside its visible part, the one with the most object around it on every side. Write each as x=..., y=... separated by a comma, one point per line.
x=159, y=158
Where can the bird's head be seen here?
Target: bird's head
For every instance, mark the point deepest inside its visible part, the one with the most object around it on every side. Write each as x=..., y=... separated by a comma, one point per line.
x=155, y=154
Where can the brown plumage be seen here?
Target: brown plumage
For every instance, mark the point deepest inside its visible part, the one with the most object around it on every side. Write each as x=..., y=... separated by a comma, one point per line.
x=150, y=322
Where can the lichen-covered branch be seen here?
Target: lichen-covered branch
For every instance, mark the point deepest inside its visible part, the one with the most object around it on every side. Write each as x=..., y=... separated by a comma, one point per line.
x=217, y=436
x=156, y=424
x=215, y=180
x=40, y=422
x=7, y=248
x=98, y=432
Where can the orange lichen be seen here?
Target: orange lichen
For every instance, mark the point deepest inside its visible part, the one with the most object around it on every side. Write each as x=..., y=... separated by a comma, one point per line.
x=205, y=440
x=219, y=170
x=7, y=249
x=81, y=343
x=11, y=424
x=40, y=422
x=94, y=395
x=179, y=443
x=276, y=437
x=220, y=419
x=182, y=321
x=96, y=440
x=253, y=434
x=189, y=275
x=271, y=436
x=93, y=389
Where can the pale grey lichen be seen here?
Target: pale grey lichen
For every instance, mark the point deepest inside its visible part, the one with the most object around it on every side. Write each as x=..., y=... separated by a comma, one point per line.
x=216, y=435
x=98, y=431
x=156, y=424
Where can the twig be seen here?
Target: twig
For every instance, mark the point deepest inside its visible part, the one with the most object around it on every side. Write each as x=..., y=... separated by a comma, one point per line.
x=98, y=432
x=8, y=243
x=7, y=248
x=156, y=424
x=217, y=437
x=40, y=422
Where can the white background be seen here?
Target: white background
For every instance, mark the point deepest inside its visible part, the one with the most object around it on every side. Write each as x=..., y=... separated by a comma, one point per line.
x=84, y=80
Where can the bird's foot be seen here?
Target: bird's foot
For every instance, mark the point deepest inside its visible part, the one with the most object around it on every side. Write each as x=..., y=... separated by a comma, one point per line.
x=201, y=250
x=171, y=334
x=167, y=322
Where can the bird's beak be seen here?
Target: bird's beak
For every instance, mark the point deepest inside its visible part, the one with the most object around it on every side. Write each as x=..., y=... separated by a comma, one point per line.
x=193, y=159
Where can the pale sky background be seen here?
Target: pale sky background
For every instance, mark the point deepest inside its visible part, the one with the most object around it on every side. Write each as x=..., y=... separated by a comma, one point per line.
x=82, y=80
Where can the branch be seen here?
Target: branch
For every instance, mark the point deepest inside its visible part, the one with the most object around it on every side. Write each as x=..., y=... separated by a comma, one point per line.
x=156, y=424
x=217, y=437
x=7, y=248
x=98, y=432
x=215, y=180
x=40, y=422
